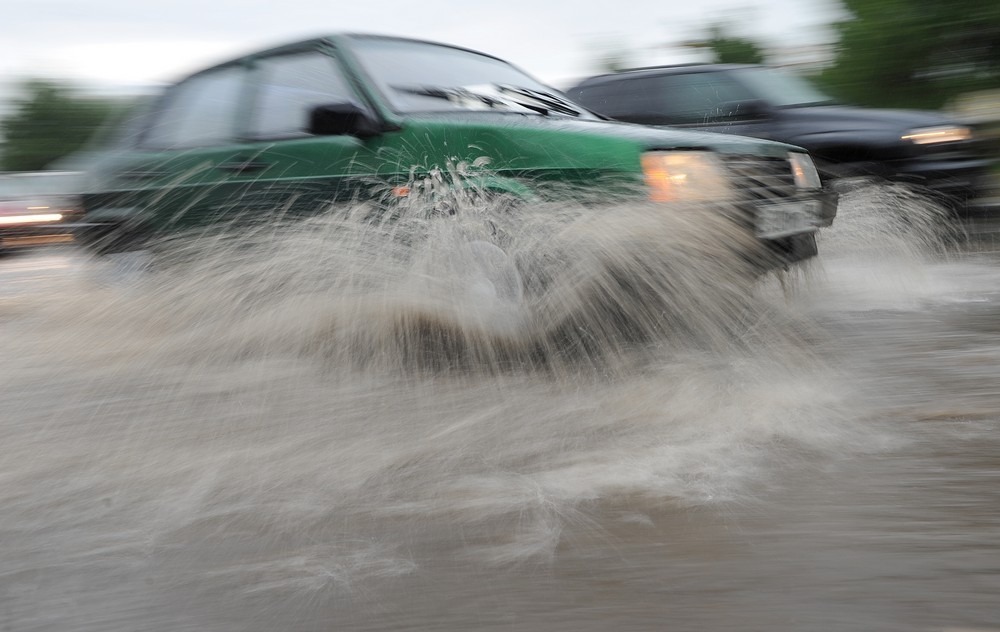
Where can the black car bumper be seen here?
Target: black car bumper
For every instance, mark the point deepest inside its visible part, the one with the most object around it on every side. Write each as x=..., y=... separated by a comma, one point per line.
x=958, y=183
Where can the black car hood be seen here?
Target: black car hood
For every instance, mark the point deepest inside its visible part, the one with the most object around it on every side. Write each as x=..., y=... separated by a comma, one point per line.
x=670, y=138
x=838, y=118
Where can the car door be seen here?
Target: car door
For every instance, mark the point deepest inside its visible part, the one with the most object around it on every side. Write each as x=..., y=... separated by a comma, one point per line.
x=287, y=169
x=178, y=170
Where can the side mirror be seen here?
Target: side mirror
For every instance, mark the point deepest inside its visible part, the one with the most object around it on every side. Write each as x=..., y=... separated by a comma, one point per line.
x=749, y=110
x=342, y=119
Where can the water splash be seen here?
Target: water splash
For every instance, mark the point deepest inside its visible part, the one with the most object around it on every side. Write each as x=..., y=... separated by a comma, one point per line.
x=477, y=287
x=273, y=421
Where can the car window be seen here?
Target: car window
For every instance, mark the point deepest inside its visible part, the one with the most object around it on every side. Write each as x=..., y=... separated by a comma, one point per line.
x=688, y=98
x=696, y=97
x=631, y=99
x=288, y=87
x=780, y=89
x=199, y=112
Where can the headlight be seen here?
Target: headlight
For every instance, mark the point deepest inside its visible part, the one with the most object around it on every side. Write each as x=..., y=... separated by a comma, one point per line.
x=685, y=176
x=34, y=218
x=804, y=171
x=939, y=134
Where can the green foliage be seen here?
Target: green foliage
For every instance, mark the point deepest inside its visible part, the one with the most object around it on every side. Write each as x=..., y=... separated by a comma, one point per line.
x=729, y=49
x=612, y=56
x=915, y=53
x=49, y=122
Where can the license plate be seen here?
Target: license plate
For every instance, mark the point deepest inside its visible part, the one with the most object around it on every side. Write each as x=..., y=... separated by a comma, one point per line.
x=786, y=218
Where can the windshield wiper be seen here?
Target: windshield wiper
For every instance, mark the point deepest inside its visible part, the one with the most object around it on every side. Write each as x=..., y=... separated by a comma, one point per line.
x=497, y=97
x=455, y=95
x=545, y=102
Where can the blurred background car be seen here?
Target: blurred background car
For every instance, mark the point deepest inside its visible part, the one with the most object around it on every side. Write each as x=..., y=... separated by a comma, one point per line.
x=943, y=157
x=38, y=208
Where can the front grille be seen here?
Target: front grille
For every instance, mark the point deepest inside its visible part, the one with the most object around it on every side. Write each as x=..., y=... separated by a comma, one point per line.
x=974, y=149
x=761, y=178
x=948, y=154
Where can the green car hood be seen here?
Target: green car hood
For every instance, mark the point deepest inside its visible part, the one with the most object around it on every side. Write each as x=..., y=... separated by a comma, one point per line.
x=532, y=141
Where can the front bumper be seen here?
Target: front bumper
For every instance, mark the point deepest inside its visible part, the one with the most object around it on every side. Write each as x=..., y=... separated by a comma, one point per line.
x=957, y=174
x=788, y=227
x=803, y=212
x=784, y=217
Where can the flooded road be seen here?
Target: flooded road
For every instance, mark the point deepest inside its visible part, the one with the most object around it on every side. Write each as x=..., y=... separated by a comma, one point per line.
x=222, y=446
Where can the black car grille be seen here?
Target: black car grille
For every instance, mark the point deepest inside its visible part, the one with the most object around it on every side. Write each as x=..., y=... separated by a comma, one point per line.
x=943, y=152
x=761, y=178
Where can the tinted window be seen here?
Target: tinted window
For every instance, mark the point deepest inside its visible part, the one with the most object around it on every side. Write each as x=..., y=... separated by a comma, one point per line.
x=697, y=98
x=628, y=99
x=667, y=99
x=288, y=87
x=199, y=112
x=780, y=89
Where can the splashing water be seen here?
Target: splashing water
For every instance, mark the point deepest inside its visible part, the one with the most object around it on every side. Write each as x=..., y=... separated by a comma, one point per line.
x=273, y=426
x=477, y=289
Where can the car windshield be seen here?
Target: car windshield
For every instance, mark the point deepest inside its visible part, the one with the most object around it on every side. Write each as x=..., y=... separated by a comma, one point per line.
x=780, y=89
x=424, y=77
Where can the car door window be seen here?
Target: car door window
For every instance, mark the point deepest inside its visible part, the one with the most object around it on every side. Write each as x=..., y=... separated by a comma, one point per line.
x=694, y=98
x=287, y=87
x=631, y=99
x=200, y=112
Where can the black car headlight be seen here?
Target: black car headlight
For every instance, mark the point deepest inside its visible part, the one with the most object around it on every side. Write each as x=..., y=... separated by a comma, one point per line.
x=937, y=134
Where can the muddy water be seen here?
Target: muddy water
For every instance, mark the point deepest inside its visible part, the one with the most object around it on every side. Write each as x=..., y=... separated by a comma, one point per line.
x=334, y=428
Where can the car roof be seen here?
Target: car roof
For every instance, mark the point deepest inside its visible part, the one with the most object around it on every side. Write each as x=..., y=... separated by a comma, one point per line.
x=327, y=39
x=673, y=69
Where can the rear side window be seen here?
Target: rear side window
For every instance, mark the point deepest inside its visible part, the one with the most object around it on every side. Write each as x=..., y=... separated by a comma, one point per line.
x=690, y=98
x=288, y=87
x=199, y=112
x=628, y=99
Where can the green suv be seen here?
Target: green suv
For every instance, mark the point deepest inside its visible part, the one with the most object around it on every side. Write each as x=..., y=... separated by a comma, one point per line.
x=352, y=116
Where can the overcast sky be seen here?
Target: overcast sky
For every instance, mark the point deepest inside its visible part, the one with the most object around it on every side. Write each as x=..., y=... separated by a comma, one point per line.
x=141, y=42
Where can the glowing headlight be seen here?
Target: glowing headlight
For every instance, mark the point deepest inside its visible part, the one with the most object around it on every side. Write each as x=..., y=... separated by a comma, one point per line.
x=940, y=134
x=804, y=171
x=684, y=176
x=36, y=218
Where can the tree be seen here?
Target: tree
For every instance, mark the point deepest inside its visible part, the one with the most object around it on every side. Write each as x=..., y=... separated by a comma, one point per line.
x=915, y=53
x=49, y=122
x=726, y=48
x=729, y=49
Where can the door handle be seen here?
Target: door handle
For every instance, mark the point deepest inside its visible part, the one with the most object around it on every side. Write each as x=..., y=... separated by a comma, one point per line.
x=244, y=166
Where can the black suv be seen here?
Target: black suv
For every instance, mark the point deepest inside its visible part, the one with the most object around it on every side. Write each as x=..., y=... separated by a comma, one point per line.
x=922, y=148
